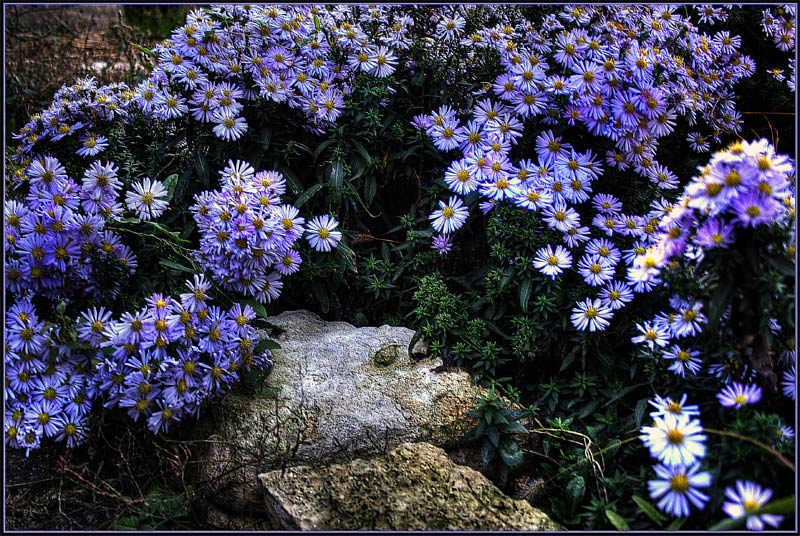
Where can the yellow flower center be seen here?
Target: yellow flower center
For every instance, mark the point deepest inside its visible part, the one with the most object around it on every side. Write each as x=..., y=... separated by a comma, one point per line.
x=675, y=436
x=679, y=484
x=733, y=178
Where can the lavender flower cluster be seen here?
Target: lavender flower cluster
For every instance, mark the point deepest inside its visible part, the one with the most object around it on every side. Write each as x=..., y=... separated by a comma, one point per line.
x=676, y=440
x=160, y=363
x=56, y=239
x=247, y=237
x=625, y=73
x=782, y=28
x=173, y=354
x=745, y=186
x=306, y=57
x=74, y=117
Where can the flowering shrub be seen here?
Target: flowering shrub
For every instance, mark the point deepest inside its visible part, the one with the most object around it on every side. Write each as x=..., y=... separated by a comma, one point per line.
x=782, y=27
x=740, y=204
x=593, y=276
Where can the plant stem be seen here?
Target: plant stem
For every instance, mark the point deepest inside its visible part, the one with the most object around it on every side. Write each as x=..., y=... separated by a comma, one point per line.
x=755, y=442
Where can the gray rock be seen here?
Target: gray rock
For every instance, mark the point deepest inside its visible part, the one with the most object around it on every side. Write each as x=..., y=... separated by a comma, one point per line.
x=336, y=393
x=414, y=487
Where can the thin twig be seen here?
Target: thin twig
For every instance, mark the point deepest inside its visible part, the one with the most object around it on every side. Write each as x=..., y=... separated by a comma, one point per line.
x=767, y=113
x=755, y=442
x=23, y=484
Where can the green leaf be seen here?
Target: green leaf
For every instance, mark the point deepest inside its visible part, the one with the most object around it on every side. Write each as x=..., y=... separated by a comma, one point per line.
x=321, y=295
x=170, y=183
x=511, y=453
x=719, y=302
x=265, y=138
x=676, y=523
x=487, y=453
x=576, y=489
x=257, y=307
x=361, y=320
x=364, y=153
x=348, y=256
x=321, y=147
x=317, y=24
x=291, y=180
x=569, y=359
x=176, y=266
x=638, y=413
x=172, y=234
x=649, y=510
x=493, y=434
x=617, y=520
x=370, y=189
x=145, y=50
x=308, y=194
x=203, y=171
x=515, y=428
x=264, y=345
x=619, y=394
x=336, y=180
x=525, y=293
x=417, y=336
x=782, y=265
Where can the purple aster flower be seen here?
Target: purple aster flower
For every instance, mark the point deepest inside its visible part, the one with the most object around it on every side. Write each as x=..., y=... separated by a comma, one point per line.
x=288, y=263
x=460, y=178
x=753, y=209
x=147, y=199
x=42, y=415
x=595, y=270
x=737, y=395
x=651, y=334
x=92, y=330
x=450, y=216
x=607, y=204
x=666, y=406
x=789, y=382
x=167, y=414
x=677, y=487
x=227, y=126
x=714, y=233
x=684, y=360
x=592, y=314
x=321, y=233
x=616, y=295
x=675, y=439
x=747, y=497
x=442, y=245
x=196, y=298
x=552, y=263
x=92, y=144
